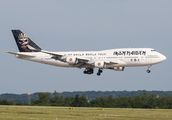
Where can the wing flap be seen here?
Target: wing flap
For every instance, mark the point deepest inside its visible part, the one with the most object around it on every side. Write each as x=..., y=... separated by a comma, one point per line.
x=111, y=62
x=83, y=59
x=82, y=62
x=54, y=55
x=115, y=62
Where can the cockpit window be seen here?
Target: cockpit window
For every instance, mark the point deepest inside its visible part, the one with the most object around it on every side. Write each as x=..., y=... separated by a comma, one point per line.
x=153, y=50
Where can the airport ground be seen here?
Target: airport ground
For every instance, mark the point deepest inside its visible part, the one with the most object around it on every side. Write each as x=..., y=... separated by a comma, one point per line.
x=81, y=113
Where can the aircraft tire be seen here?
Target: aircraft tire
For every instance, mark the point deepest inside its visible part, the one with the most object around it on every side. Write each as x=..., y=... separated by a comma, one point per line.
x=98, y=74
x=100, y=71
x=148, y=71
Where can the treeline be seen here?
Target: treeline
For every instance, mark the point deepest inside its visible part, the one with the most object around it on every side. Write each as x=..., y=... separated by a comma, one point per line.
x=141, y=101
x=24, y=98
x=12, y=102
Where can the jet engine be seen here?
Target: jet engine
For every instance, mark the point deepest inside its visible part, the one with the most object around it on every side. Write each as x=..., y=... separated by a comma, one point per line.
x=71, y=60
x=119, y=68
x=99, y=64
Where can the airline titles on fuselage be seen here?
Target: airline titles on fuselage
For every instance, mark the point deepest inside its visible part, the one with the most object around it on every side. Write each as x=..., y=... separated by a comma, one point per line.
x=129, y=53
x=86, y=54
x=117, y=53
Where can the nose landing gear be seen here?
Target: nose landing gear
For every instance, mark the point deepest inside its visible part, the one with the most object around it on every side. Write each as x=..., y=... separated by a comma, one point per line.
x=148, y=71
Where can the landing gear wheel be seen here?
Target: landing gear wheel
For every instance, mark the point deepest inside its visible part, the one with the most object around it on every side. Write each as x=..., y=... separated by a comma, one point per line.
x=100, y=71
x=98, y=74
x=148, y=71
x=88, y=71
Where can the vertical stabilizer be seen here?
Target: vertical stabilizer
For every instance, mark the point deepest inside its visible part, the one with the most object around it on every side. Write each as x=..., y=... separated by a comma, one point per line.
x=24, y=43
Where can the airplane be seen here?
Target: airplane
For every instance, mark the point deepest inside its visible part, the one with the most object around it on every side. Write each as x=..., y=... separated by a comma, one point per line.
x=113, y=59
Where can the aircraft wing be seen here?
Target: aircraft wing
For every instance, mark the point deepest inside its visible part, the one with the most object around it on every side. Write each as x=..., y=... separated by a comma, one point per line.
x=115, y=62
x=21, y=54
x=112, y=62
x=61, y=57
x=54, y=55
x=83, y=62
x=83, y=59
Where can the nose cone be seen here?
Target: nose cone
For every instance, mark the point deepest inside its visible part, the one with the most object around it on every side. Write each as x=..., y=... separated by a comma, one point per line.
x=163, y=58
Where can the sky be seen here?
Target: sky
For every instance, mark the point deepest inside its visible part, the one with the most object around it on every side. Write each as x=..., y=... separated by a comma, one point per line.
x=85, y=25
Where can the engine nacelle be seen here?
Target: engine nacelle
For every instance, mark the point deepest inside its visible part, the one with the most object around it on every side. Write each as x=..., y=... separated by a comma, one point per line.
x=119, y=68
x=71, y=60
x=99, y=64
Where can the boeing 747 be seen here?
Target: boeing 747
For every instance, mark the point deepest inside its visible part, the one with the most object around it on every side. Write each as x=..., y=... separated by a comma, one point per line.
x=113, y=59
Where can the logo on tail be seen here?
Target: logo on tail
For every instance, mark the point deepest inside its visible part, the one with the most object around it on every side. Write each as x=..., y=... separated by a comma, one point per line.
x=24, y=43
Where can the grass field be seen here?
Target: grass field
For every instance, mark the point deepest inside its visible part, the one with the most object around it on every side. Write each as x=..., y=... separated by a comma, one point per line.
x=64, y=113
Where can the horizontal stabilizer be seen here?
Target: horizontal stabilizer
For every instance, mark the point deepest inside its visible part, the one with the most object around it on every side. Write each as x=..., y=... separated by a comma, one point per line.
x=20, y=54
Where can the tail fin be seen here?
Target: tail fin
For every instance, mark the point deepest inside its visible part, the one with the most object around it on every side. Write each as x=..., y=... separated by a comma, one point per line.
x=24, y=43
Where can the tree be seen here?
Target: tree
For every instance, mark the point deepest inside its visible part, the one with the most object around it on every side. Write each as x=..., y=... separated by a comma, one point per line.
x=95, y=103
x=61, y=101
x=55, y=95
x=151, y=102
x=83, y=101
x=55, y=99
x=80, y=101
x=5, y=102
x=43, y=99
x=68, y=101
x=109, y=101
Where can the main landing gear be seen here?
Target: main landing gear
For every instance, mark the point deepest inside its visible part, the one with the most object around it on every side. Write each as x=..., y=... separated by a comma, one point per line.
x=148, y=71
x=91, y=71
x=99, y=72
x=88, y=71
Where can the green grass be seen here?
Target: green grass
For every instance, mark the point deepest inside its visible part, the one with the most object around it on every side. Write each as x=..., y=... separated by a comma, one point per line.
x=63, y=113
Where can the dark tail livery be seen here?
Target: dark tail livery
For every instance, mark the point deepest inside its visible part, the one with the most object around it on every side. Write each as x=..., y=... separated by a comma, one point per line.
x=24, y=43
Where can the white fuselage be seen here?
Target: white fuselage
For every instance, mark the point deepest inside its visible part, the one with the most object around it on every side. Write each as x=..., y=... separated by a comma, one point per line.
x=127, y=57
x=115, y=59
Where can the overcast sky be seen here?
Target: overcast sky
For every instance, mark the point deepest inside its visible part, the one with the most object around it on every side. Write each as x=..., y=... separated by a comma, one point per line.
x=81, y=25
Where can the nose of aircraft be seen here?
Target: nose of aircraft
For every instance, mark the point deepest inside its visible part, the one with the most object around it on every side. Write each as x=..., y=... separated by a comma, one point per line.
x=163, y=57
